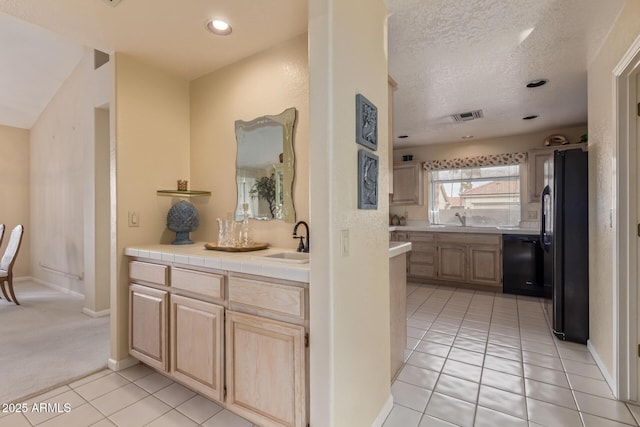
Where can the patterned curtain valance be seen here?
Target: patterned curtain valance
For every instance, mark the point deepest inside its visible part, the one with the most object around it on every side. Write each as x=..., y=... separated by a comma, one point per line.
x=469, y=162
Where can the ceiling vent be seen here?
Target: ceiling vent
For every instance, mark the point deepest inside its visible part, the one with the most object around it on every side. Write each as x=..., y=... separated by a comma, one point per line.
x=468, y=116
x=113, y=3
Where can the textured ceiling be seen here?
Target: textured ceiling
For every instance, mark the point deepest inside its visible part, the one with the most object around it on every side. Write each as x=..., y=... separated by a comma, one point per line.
x=447, y=56
x=452, y=56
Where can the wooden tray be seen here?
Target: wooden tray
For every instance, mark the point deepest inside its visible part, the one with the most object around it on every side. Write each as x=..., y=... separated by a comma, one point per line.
x=256, y=247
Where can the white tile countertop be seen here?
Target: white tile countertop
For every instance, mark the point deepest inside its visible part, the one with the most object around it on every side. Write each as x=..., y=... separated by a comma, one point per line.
x=398, y=248
x=239, y=262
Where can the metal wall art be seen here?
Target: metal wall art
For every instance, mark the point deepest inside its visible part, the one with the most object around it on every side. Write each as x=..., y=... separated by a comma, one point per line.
x=367, y=180
x=366, y=123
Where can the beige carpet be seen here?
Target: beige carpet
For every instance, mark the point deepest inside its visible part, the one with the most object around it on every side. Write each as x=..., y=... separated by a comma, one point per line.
x=47, y=341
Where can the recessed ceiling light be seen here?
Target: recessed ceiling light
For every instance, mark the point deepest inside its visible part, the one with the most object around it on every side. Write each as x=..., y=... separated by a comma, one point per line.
x=537, y=83
x=219, y=27
x=403, y=136
x=467, y=137
x=531, y=117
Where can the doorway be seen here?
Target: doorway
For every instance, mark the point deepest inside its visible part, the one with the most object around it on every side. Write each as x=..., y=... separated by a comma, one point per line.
x=627, y=219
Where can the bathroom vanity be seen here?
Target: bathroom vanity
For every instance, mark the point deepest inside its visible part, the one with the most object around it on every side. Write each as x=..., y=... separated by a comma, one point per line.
x=234, y=327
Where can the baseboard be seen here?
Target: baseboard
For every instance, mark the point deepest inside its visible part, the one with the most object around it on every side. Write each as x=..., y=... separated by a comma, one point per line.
x=23, y=279
x=603, y=368
x=57, y=287
x=384, y=412
x=119, y=365
x=91, y=313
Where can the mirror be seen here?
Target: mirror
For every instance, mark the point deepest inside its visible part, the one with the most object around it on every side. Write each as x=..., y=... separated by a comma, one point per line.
x=265, y=167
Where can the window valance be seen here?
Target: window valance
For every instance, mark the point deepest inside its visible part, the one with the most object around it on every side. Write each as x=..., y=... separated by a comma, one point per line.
x=478, y=161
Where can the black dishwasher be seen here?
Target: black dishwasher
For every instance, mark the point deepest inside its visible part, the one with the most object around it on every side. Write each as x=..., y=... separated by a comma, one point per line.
x=522, y=265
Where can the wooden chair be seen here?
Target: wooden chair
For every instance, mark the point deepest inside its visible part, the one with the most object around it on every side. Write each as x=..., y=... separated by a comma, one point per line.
x=7, y=261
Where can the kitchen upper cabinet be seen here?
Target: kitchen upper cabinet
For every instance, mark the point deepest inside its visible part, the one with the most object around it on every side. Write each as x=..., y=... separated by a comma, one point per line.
x=392, y=86
x=535, y=168
x=407, y=184
x=197, y=336
x=266, y=370
x=148, y=325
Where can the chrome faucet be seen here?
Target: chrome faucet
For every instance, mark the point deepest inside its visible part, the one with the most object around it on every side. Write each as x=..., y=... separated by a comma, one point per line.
x=301, y=246
x=462, y=218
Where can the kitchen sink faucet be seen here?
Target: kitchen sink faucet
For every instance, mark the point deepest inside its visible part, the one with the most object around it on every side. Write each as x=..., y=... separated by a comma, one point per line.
x=462, y=218
x=301, y=246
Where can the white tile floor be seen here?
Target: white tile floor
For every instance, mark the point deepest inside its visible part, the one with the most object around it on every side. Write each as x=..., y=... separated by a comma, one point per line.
x=484, y=359
x=137, y=396
x=473, y=359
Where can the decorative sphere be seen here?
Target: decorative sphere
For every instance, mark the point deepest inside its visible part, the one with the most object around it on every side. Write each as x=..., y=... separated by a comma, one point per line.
x=182, y=219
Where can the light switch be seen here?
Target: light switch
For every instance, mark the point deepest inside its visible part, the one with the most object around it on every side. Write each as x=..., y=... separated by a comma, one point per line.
x=344, y=242
x=134, y=219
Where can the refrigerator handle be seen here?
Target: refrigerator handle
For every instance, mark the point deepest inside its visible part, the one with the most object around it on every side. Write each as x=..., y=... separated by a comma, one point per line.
x=545, y=192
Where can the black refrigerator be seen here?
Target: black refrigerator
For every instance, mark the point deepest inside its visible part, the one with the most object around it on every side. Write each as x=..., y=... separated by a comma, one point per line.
x=564, y=236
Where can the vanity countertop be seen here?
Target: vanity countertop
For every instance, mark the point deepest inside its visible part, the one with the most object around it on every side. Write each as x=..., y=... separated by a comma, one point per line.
x=238, y=262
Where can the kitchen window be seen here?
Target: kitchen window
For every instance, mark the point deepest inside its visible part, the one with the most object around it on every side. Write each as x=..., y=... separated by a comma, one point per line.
x=485, y=196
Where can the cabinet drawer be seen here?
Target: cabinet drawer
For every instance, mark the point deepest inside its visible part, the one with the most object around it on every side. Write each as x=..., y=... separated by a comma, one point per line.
x=470, y=238
x=421, y=257
x=272, y=297
x=423, y=270
x=421, y=237
x=149, y=273
x=207, y=284
x=427, y=248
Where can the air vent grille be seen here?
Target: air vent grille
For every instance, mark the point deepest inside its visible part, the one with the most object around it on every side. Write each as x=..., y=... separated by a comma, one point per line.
x=467, y=116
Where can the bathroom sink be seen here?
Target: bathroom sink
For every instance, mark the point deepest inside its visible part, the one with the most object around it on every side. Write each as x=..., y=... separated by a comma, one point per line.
x=292, y=257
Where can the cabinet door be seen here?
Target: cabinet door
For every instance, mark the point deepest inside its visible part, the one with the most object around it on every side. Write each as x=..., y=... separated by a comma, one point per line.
x=407, y=184
x=266, y=370
x=484, y=265
x=196, y=331
x=535, y=172
x=452, y=263
x=148, y=325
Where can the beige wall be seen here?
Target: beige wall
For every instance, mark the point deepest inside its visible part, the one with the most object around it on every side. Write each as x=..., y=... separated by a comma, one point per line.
x=349, y=295
x=602, y=146
x=152, y=152
x=481, y=147
x=14, y=187
x=266, y=83
x=58, y=141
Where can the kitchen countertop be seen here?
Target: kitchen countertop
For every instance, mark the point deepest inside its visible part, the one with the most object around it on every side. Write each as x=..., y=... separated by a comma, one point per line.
x=460, y=229
x=398, y=248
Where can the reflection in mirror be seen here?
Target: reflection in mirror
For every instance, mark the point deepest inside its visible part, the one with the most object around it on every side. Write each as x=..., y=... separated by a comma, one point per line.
x=265, y=167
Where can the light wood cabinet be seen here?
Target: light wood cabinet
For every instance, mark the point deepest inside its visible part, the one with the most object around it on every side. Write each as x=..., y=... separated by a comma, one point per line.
x=255, y=363
x=407, y=184
x=148, y=325
x=452, y=262
x=196, y=344
x=461, y=258
x=535, y=168
x=398, y=311
x=266, y=370
x=485, y=265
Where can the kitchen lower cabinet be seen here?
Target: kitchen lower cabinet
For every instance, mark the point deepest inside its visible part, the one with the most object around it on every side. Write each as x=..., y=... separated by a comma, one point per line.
x=452, y=262
x=148, y=325
x=461, y=258
x=197, y=333
x=484, y=265
x=266, y=370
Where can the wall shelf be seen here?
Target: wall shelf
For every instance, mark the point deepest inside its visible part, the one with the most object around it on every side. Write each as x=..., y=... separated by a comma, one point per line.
x=187, y=193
